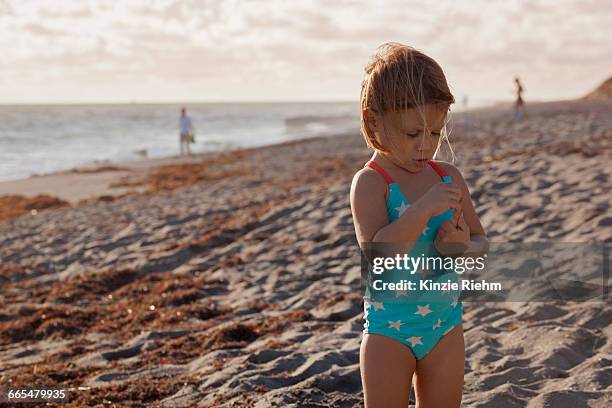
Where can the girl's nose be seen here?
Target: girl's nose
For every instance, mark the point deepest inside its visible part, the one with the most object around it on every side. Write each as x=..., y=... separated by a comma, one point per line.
x=426, y=142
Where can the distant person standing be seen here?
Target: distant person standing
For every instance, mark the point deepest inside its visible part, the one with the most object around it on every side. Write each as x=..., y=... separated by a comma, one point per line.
x=186, y=132
x=519, y=106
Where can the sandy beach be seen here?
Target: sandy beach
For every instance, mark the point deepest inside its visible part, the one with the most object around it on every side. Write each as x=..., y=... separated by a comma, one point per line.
x=233, y=280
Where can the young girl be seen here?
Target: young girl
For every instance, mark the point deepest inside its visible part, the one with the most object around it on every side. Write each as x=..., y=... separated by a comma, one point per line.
x=403, y=196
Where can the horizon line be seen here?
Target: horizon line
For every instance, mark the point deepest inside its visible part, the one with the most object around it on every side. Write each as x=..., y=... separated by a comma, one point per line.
x=458, y=106
x=172, y=102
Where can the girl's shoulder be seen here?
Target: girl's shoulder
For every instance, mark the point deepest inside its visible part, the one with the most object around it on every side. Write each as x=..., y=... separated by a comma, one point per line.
x=450, y=169
x=454, y=172
x=367, y=181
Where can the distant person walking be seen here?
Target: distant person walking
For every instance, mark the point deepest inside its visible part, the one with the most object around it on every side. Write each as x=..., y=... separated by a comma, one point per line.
x=466, y=118
x=519, y=106
x=186, y=132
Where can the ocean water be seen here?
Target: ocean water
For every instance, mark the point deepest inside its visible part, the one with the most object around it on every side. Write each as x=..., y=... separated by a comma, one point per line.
x=38, y=139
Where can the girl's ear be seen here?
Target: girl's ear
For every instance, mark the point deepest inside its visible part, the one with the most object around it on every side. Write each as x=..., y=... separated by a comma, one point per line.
x=371, y=119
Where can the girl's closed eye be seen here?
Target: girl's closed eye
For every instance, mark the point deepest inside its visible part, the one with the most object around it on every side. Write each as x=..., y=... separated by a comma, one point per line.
x=414, y=134
x=433, y=134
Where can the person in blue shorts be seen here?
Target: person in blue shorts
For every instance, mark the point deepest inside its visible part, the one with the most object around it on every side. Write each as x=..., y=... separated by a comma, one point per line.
x=186, y=136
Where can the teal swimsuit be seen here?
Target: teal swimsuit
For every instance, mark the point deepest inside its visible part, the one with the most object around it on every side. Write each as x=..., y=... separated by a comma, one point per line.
x=419, y=319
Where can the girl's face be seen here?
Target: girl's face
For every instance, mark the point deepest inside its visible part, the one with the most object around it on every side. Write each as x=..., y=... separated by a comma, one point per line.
x=410, y=140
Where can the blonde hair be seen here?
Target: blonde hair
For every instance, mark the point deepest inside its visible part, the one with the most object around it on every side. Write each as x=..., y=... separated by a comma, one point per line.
x=399, y=77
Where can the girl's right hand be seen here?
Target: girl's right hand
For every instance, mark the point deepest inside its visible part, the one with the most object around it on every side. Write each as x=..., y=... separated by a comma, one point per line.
x=441, y=197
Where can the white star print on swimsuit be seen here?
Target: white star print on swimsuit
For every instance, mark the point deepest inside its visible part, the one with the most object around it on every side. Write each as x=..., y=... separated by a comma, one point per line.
x=423, y=310
x=438, y=324
x=414, y=340
x=395, y=325
x=400, y=210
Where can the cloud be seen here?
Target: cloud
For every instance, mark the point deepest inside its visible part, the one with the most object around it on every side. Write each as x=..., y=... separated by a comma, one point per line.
x=289, y=48
x=38, y=29
x=5, y=8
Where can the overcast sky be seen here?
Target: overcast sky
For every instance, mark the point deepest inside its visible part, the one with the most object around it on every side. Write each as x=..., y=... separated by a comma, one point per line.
x=226, y=50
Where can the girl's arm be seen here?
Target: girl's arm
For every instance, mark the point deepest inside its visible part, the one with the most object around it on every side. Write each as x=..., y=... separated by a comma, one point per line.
x=369, y=209
x=478, y=238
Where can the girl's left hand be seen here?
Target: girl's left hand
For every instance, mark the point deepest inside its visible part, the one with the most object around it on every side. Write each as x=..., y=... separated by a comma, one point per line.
x=453, y=237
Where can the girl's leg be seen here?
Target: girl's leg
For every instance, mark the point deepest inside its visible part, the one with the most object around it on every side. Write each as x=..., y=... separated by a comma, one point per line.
x=439, y=378
x=386, y=371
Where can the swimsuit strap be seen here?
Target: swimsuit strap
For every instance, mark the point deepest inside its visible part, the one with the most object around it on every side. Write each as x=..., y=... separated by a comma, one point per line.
x=438, y=169
x=380, y=171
